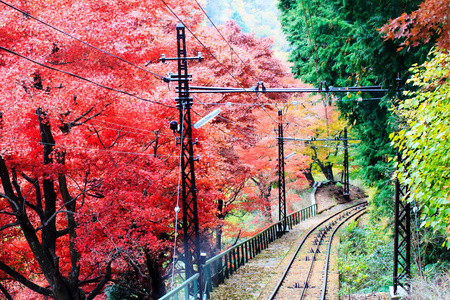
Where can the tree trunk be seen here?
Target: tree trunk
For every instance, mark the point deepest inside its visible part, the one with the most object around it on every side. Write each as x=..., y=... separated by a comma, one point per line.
x=155, y=280
x=309, y=177
x=268, y=205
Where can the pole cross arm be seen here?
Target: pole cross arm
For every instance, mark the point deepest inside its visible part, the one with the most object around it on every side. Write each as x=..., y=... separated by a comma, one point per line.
x=318, y=140
x=163, y=58
x=261, y=89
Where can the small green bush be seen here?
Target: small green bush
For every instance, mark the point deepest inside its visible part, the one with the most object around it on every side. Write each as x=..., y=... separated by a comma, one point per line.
x=365, y=258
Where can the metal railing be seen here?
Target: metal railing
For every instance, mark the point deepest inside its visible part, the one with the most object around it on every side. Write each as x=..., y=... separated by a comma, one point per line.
x=223, y=265
x=173, y=294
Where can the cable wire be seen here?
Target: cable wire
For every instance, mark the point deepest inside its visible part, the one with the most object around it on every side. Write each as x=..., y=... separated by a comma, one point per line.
x=177, y=208
x=81, y=41
x=209, y=51
x=232, y=49
x=313, y=52
x=84, y=79
x=94, y=149
x=137, y=130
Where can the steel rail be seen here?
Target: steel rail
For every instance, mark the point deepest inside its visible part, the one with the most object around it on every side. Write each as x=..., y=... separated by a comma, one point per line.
x=325, y=272
x=305, y=286
x=283, y=276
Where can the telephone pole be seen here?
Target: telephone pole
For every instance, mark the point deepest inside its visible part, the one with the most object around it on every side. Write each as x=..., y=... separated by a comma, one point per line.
x=281, y=177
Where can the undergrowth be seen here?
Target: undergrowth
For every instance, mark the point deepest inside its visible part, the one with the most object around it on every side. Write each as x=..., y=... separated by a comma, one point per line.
x=434, y=287
x=365, y=258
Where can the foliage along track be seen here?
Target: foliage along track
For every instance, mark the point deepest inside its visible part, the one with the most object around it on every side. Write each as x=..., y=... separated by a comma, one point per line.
x=306, y=274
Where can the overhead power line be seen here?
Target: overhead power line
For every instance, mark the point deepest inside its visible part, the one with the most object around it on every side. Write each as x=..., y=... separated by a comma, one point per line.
x=215, y=58
x=84, y=79
x=99, y=150
x=232, y=49
x=81, y=41
x=313, y=52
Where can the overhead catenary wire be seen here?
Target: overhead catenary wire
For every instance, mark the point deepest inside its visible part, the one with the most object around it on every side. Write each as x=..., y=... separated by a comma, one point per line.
x=209, y=51
x=232, y=49
x=229, y=134
x=95, y=149
x=274, y=104
x=177, y=207
x=313, y=52
x=132, y=129
x=81, y=41
x=84, y=79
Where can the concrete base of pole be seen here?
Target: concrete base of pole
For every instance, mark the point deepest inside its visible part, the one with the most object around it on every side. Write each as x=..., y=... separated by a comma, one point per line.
x=401, y=293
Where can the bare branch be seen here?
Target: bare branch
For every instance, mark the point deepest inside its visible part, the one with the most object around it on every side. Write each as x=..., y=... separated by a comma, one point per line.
x=8, y=213
x=79, y=121
x=101, y=284
x=62, y=232
x=18, y=277
x=37, y=188
x=5, y=292
x=61, y=209
x=11, y=202
x=9, y=225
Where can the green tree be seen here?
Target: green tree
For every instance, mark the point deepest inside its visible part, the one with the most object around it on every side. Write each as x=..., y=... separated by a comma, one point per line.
x=424, y=141
x=338, y=42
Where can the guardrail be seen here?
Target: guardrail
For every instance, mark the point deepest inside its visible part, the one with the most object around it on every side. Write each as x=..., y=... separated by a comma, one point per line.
x=173, y=294
x=223, y=265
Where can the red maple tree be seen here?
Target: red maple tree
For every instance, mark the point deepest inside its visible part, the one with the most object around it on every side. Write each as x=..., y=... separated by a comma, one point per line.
x=429, y=21
x=89, y=175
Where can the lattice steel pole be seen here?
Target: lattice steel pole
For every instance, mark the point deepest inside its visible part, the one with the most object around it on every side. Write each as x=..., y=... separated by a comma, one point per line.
x=346, y=168
x=402, y=237
x=281, y=175
x=188, y=189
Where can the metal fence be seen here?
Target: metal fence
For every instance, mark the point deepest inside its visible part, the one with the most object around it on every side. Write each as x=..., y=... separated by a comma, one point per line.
x=183, y=289
x=223, y=265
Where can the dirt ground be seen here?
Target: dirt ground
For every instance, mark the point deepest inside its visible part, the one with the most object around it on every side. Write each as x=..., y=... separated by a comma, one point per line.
x=329, y=195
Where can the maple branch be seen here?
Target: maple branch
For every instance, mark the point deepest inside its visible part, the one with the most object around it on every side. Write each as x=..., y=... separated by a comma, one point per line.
x=101, y=284
x=117, y=138
x=5, y=292
x=17, y=276
x=8, y=213
x=35, y=183
x=61, y=208
x=11, y=202
x=92, y=280
x=9, y=225
x=62, y=232
x=68, y=126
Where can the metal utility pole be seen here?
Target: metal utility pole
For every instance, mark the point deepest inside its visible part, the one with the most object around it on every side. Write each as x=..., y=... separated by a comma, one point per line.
x=346, y=171
x=188, y=187
x=281, y=177
x=402, y=237
x=402, y=230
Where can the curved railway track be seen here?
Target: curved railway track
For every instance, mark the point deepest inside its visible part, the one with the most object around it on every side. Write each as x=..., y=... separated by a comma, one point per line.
x=306, y=276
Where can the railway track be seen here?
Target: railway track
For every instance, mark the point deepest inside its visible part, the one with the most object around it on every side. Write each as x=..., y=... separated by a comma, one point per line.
x=306, y=276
